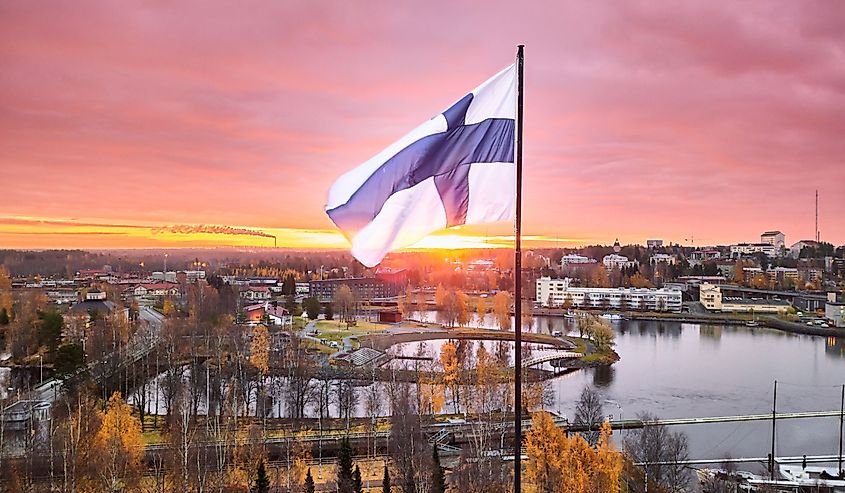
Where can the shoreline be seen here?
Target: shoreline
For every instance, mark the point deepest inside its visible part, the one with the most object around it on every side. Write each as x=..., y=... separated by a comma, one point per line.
x=720, y=318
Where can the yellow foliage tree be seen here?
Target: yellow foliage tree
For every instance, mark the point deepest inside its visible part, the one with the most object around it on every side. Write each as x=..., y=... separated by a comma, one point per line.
x=260, y=349
x=502, y=310
x=481, y=309
x=451, y=369
x=561, y=464
x=118, y=448
x=5, y=290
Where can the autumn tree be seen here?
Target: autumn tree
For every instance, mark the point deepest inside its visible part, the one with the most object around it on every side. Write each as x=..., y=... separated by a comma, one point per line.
x=344, y=298
x=561, y=464
x=502, y=310
x=118, y=447
x=480, y=309
x=451, y=371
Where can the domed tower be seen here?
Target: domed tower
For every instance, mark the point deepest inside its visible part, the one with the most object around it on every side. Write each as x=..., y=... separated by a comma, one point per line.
x=616, y=246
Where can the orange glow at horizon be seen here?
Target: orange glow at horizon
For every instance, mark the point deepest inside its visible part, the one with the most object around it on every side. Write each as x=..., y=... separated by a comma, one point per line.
x=49, y=233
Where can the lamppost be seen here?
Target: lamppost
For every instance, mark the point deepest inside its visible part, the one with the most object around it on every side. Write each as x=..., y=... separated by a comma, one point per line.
x=41, y=369
x=622, y=434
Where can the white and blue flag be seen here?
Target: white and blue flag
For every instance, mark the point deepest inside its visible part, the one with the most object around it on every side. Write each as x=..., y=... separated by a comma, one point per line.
x=457, y=168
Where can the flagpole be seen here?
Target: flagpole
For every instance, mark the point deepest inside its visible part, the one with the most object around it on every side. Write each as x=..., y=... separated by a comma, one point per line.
x=517, y=285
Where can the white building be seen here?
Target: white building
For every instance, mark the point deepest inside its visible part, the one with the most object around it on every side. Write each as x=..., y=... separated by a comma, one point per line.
x=256, y=293
x=795, y=249
x=653, y=243
x=710, y=296
x=555, y=293
x=575, y=259
x=774, y=238
x=616, y=261
x=741, y=249
x=663, y=258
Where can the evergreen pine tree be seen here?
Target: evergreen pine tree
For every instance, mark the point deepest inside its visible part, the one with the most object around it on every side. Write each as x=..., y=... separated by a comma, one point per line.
x=357, y=484
x=262, y=482
x=438, y=476
x=385, y=483
x=4, y=316
x=344, y=467
x=309, y=482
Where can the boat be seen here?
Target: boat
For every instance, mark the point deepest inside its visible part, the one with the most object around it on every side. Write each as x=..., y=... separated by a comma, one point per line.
x=752, y=324
x=613, y=317
x=569, y=315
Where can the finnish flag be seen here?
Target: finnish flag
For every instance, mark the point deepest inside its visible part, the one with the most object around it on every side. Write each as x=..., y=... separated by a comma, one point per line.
x=457, y=168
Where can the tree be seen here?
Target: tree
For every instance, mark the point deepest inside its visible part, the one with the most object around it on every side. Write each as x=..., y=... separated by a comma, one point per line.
x=502, y=310
x=50, y=329
x=262, y=482
x=589, y=413
x=385, y=482
x=344, y=467
x=4, y=316
x=481, y=309
x=357, y=484
x=69, y=357
x=662, y=452
x=309, y=482
x=312, y=307
x=118, y=447
x=259, y=351
x=451, y=370
x=345, y=300
x=438, y=476
x=329, y=312
x=561, y=464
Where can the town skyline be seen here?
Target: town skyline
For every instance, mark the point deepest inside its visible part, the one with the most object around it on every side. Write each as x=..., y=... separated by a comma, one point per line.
x=128, y=119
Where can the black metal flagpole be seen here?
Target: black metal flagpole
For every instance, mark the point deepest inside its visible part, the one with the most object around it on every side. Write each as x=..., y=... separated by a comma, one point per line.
x=517, y=286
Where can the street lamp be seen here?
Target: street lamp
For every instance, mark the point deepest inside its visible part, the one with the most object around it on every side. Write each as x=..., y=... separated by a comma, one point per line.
x=41, y=366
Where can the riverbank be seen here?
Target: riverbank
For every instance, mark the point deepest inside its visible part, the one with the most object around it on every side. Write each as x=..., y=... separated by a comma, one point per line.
x=718, y=319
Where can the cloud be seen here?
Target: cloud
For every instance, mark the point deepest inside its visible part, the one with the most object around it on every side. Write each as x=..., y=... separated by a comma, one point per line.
x=718, y=119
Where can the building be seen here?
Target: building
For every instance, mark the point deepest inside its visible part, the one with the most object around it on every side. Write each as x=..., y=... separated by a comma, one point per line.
x=834, y=310
x=795, y=249
x=782, y=275
x=616, y=261
x=169, y=276
x=256, y=293
x=698, y=257
x=272, y=313
x=665, y=258
x=575, y=259
x=95, y=302
x=710, y=296
x=744, y=249
x=554, y=293
x=774, y=238
x=754, y=305
x=364, y=288
x=654, y=243
x=149, y=294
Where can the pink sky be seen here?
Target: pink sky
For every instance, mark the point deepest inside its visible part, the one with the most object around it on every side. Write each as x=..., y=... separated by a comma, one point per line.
x=643, y=119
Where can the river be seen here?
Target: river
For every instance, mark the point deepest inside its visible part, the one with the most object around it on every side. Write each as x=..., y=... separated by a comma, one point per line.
x=678, y=370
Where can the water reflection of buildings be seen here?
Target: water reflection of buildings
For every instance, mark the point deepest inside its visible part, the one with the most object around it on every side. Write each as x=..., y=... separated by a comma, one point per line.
x=835, y=347
x=712, y=332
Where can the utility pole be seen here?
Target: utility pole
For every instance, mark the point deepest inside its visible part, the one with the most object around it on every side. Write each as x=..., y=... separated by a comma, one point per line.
x=841, y=422
x=818, y=236
x=774, y=411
